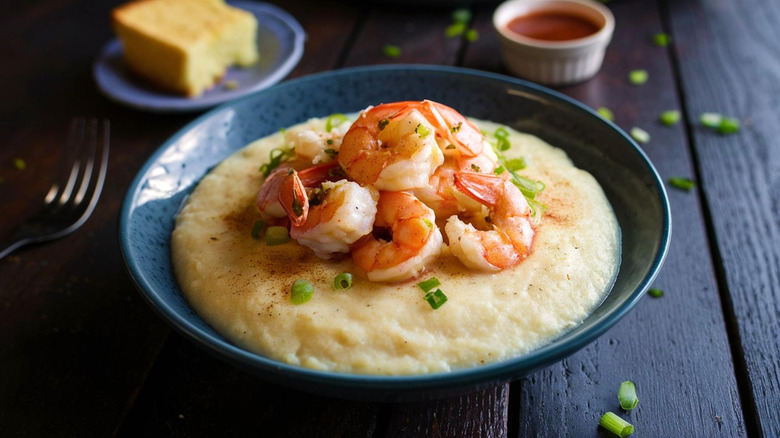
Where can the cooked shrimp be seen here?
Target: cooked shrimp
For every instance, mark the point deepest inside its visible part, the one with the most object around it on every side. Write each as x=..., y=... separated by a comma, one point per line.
x=512, y=234
x=415, y=241
x=339, y=214
x=392, y=147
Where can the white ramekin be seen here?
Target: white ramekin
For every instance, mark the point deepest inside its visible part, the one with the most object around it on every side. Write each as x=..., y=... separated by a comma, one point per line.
x=554, y=62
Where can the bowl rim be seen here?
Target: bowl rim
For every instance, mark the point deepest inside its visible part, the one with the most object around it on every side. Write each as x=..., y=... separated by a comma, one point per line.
x=503, y=370
x=602, y=36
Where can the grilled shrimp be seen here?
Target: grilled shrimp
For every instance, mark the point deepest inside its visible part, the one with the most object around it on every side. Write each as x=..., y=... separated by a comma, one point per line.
x=415, y=239
x=392, y=147
x=508, y=241
x=339, y=214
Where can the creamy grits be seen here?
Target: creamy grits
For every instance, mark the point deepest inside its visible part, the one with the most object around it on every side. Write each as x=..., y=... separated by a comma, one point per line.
x=241, y=286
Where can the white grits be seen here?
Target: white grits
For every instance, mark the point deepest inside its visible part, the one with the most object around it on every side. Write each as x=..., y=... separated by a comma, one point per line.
x=241, y=286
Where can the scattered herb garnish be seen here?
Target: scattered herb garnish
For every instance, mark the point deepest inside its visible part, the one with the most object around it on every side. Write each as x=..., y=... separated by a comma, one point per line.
x=627, y=395
x=661, y=39
x=461, y=15
x=301, y=291
x=276, y=157
x=455, y=29
x=422, y=130
x=257, y=228
x=391, y=51
x=606, y=113
x=276, y=235
x=334, y=120
x=637, y=77
x=342, y=281
x=20, y=164
x=429, y=284
x=682, y=183
x=655, y=293
x=670, y=117
x=436, y=298
x=640, y=135
x=616, y=425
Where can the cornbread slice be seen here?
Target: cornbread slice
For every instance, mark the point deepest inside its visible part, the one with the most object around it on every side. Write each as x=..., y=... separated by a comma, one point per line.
x=185, y=46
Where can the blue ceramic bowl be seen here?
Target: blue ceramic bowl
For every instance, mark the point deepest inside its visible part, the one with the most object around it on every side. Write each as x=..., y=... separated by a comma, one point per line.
x=594, y=144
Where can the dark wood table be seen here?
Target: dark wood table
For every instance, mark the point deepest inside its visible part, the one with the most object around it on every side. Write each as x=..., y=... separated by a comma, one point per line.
x=82, y=355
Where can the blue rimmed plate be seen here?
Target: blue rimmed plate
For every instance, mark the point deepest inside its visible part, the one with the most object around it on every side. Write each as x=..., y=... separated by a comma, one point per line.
x=280, y=43
x=629, y=180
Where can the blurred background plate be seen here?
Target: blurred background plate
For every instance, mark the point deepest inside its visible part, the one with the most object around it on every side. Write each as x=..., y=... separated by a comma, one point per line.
x=280, y=43
x=629, y=180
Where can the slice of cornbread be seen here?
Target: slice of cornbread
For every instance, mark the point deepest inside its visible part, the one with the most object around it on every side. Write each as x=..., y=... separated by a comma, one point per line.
x=185, y=45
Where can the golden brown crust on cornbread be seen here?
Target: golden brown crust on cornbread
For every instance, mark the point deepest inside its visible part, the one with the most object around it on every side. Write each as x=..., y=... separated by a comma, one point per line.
x=185, y=46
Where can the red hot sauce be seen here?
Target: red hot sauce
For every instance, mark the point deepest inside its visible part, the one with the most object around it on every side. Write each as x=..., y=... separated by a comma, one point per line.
x=551, y=25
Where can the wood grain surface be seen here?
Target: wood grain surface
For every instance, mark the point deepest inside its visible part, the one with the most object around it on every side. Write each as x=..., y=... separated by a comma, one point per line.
x=81, y=354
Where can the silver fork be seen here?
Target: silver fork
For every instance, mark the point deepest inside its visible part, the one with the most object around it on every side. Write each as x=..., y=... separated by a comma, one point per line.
x=72, y=198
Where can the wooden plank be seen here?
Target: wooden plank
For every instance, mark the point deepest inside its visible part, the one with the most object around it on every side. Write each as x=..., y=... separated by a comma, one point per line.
x=674, y=348
x=729, y=60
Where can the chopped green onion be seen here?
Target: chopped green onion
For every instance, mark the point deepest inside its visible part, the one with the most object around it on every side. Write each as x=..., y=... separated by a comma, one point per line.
x=461, y=15
x=429, y=284
x=301, y=291
x=728, y=125
x=661, y=39
x=655, y=293
x=501, y=133
x=257, y=229
x=710, y=120
x=681, y=183
x=515, y=164
x=422, y=130
x=670, y=117
x=276, y=235
x=616, y=425
x=637, y=77
x=606, y=113
x=20, y=164
x=436, y=298
x=640, y=135
x=334, y=120
x=391, y=51
x=455, y=29
x=627, y=395
x=342, y=281
x=472, y=35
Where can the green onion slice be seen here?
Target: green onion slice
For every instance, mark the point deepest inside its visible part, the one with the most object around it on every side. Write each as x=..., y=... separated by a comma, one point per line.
x=637, y=77
x=606, y=113
x=301, y=291
x=471, y=35
x=461, y=15
x=670, y=117
x=436, y=298
x=334, y=120
x=640, y=135
x=655, y=293
x=429, y=284
x=257, y=228
x=728, y=125
x=627, y=395
x=616, y=425
x=682, y=183
x=455, y=29
x=276, y=235
x=710, y=120
x=342, y=281
x=391, y=51
x=661, y=39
